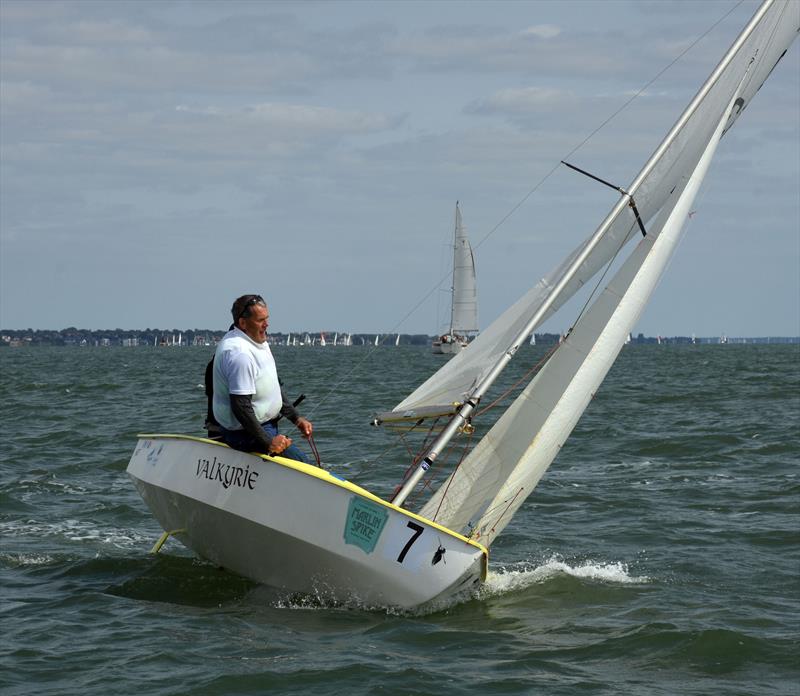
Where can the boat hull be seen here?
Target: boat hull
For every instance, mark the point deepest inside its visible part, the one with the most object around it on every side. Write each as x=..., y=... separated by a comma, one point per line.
x=448, y=347
x=299, y=528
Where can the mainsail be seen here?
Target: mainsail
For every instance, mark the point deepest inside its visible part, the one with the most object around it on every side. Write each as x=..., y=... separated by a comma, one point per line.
x=464, y=311
x=742, y=71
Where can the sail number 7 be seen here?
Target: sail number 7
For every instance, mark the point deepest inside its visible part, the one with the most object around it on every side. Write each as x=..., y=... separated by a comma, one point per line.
x=417, y=529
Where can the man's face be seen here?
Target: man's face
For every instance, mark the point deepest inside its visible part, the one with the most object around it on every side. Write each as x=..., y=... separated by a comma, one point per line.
x=255, y=326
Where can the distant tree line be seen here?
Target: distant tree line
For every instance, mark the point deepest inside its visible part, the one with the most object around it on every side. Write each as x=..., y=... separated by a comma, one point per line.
x=205, y=337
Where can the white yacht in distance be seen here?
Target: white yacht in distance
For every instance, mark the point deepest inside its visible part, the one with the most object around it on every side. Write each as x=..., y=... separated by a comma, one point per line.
x=463, y=295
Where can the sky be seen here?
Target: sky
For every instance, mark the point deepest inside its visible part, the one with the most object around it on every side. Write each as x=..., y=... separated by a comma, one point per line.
x=158, y=159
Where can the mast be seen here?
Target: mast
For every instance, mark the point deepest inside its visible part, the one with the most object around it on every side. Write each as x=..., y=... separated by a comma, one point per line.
x=460, y=418
x=455, y=264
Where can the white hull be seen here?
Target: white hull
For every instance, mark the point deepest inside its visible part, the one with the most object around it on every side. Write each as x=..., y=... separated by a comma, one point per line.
x=448, y=347
x=297, y=527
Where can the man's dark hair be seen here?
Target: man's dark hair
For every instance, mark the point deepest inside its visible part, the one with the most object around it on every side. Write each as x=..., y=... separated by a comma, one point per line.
x=243, y=306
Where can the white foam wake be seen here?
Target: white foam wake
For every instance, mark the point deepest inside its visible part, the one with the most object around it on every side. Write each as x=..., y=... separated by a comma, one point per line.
x=521, y=576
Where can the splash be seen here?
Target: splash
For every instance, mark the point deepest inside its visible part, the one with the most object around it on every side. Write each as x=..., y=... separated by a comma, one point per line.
x=522, y=576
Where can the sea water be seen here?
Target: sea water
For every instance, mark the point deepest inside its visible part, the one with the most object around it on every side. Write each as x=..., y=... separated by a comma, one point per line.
x=658, y=555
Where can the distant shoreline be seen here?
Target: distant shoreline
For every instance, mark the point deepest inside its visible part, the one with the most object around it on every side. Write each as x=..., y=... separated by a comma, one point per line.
x=205, y=337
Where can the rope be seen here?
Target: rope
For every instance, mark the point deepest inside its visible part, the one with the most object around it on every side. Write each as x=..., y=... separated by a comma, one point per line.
x=314, y=449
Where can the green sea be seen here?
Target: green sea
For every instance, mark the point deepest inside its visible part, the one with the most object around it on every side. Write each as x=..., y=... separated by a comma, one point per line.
x=660, y=554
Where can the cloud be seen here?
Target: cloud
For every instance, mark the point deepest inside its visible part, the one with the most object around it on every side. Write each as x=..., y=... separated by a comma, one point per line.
x=523, y=100
x=310, y=121
x=542, y=31
x=88, y=31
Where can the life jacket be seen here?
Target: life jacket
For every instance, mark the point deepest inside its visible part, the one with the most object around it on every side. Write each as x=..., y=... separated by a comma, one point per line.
x=211, y=424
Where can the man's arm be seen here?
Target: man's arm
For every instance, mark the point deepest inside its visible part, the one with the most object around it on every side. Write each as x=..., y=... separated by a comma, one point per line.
x=242, y=407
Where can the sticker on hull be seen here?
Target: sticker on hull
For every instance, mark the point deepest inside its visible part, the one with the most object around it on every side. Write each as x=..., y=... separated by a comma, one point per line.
x=365, y=522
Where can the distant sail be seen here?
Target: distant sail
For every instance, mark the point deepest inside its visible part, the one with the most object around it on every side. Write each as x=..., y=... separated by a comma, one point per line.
x=464, y=311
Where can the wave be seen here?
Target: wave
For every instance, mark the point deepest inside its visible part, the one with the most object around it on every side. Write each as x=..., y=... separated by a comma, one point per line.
x=19, y=560
x=74, y=531
x=523, y=575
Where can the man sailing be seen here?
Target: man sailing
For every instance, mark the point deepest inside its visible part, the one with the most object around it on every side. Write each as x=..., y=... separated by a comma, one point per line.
x=248, y=399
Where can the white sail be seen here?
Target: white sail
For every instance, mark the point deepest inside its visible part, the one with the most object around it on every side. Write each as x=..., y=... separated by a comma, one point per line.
x=503, y=469
x=464, y=311
x=753, y=55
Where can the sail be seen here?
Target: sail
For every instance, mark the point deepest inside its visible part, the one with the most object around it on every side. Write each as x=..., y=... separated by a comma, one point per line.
x=464, y=312
x=751, y=58
x=482, y=494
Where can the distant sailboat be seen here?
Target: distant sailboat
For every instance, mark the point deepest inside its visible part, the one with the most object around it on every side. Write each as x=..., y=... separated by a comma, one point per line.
x=397, y=340
x=376, y=339
x=322, y=341
x=302, y=529
x=463, y=295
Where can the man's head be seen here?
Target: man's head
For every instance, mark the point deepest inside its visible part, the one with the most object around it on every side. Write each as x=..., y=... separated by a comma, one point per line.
x=250, y=314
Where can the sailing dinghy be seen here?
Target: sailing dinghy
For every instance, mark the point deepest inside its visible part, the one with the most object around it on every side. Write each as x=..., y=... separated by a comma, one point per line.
x=300, y=528
x=463, y=295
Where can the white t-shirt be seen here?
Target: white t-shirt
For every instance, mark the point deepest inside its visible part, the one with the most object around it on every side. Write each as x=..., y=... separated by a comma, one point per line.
x=242, y=366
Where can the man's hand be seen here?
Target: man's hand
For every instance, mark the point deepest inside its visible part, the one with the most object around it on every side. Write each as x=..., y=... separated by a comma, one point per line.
x=304, y=426
x=279, y=443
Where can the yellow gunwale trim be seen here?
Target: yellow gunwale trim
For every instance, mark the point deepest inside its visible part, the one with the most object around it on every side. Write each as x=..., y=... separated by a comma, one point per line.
x=326, y=476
